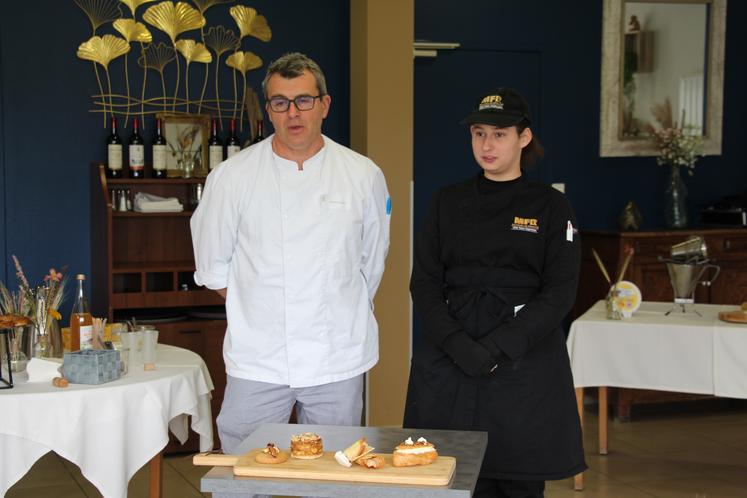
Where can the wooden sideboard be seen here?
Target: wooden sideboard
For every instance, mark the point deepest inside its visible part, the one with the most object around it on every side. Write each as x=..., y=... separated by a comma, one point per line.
x=726, y=248
x=142, y=264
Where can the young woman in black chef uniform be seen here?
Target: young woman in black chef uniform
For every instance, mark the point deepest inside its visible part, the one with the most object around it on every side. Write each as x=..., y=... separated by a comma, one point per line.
x=495, y=273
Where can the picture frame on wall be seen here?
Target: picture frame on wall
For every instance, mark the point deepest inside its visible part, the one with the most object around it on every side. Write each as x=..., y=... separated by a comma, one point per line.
x=186, y=144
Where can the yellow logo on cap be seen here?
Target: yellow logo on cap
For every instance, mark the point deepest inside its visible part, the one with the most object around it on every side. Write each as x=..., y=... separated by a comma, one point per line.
x=491, y=102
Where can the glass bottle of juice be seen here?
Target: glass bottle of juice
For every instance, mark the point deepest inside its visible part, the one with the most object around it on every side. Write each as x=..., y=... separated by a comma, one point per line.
x=81, y=321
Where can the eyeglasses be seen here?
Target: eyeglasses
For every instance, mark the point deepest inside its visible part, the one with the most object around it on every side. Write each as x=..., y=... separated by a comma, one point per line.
x=302, y=103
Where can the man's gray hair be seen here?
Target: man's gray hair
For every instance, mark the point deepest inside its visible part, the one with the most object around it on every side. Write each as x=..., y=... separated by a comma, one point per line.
x=293, y=65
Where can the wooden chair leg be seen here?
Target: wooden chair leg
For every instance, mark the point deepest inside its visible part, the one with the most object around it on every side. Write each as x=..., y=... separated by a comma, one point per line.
x=578, y=482
x=156, y=476
x=603, y=420
x=578, y=479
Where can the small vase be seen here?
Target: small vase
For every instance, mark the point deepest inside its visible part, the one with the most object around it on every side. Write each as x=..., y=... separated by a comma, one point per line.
x=675, y=200
x=47, y=339
x=20, y=345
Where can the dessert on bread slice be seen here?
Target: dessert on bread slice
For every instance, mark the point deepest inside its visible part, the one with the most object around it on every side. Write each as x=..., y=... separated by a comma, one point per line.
x=353, y=452
x=370, y=461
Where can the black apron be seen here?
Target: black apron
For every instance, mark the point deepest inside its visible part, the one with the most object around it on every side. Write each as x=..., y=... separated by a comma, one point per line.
x=527, y=406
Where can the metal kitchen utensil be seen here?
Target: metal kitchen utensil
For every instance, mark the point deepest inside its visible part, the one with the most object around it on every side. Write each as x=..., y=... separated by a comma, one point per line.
x=693, y=249
x=685, y=277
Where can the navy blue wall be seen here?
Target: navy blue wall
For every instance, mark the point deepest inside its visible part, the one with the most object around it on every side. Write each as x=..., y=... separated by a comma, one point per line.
x=48, y=138
x=567, y=43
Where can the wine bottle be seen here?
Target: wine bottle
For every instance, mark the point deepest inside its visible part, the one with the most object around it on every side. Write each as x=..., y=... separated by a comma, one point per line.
x=233, y=146
x=159, y=152
x=215, y=146
x=114, y=152
x=81, y=321
x=137, y=152
x=260, y=132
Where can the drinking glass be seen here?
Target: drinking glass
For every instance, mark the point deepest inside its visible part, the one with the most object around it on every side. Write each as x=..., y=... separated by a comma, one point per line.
x=150, y=342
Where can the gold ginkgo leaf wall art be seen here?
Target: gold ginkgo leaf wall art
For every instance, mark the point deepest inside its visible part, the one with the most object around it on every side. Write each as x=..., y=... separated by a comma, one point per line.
x=99, y=12
x=134, y=4
x=221, y=40
x=243, y=62
x=174, y=19
x=132, y=31
x=251, y=23
x=156, y=57
x=203, y=5
x=102, y=50
x=164, y=32
x=193, y=51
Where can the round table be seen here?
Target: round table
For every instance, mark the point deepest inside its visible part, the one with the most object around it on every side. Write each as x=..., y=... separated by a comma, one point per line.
x=109, y=430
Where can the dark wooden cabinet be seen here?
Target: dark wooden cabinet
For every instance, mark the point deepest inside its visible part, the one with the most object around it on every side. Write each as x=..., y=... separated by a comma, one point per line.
x=142, y=264
x=726, y=248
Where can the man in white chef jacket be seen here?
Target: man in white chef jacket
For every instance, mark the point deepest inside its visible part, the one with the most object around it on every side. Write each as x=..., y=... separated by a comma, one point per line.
x=293, y=233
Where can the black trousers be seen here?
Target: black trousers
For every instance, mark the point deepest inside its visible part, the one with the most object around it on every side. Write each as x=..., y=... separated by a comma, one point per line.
x=503, y=488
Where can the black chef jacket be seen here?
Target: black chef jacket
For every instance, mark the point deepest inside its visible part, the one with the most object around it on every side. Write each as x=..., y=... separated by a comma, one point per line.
x=486, y=249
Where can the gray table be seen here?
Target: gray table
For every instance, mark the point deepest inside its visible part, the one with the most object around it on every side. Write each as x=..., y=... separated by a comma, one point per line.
x=467, y=447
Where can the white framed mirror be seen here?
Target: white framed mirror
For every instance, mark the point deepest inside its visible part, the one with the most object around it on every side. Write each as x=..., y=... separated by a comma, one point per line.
x=659, y=51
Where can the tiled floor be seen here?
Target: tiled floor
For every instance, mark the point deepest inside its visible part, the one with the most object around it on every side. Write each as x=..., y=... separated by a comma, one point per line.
x=694, y=455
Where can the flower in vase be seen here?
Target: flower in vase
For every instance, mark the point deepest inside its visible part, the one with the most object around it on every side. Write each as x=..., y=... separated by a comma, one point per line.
x=53, y=276
x=40, y=304
x=679, y=146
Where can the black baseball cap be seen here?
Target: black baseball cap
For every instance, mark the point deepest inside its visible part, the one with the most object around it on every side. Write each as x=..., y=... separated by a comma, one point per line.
x=502, y=107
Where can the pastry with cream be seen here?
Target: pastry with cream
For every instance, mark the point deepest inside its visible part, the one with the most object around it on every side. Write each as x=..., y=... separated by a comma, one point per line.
x=410, y=453
x=306, y=446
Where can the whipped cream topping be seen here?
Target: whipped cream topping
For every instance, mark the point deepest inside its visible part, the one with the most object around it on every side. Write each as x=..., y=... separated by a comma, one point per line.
x=422, y=446
x=416, y=450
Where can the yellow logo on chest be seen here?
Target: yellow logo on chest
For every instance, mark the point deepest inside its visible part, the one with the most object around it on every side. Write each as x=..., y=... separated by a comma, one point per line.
x=525, y=224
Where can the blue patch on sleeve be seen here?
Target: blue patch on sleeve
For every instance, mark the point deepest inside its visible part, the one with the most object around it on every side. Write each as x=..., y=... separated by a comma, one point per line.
x=388, y=205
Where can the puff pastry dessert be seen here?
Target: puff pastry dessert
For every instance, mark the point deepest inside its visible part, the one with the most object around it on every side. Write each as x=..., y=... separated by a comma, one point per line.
x=411, y=453
x=306, y=446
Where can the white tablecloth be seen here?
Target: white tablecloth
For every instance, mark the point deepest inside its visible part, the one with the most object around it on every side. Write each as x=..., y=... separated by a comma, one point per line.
x=679, y=352
x=110, y=430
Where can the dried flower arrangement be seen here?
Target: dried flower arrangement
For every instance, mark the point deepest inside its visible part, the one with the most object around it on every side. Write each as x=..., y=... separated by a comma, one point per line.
x=40, y=304
x=678, y=145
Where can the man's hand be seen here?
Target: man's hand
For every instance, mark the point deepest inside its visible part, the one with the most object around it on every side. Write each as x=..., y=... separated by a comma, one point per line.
x=222, y=292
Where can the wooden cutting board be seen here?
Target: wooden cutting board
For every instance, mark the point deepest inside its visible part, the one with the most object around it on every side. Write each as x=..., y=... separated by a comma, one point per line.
x=738, y=316
x=326, y=468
